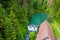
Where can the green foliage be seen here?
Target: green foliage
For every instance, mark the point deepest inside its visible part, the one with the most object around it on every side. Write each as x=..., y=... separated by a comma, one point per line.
x=32, y=35
x=10, y=32
x=54, y=16
x=2, y=17
x=55, y=26
x=15, y=15
x=14, y=20
x=1, y=38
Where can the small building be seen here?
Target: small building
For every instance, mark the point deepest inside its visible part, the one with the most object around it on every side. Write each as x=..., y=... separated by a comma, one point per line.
x=39, y=23
x=36, y=20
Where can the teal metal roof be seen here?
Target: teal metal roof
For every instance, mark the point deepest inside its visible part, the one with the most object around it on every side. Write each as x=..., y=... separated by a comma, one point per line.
x=38, y=18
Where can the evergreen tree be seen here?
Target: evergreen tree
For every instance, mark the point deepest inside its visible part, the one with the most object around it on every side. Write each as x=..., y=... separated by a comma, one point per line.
x=18, y=14
x=2, y=19
x=15, y=15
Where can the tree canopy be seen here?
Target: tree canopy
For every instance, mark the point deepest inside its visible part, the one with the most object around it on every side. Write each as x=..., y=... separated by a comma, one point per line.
x=16, y=14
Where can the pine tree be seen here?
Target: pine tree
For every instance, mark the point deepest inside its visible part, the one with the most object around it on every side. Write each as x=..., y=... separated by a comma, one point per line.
x=2, y=19
x=18, y=16
x=15, y=21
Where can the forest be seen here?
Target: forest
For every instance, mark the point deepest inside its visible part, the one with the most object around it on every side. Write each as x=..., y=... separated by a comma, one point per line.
x=15, y=16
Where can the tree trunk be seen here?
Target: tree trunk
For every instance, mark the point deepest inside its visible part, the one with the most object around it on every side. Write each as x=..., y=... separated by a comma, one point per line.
x=49, y=3
x=39, y=3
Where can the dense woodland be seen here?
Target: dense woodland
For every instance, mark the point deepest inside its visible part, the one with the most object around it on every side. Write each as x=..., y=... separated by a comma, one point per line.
x=15, y=16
